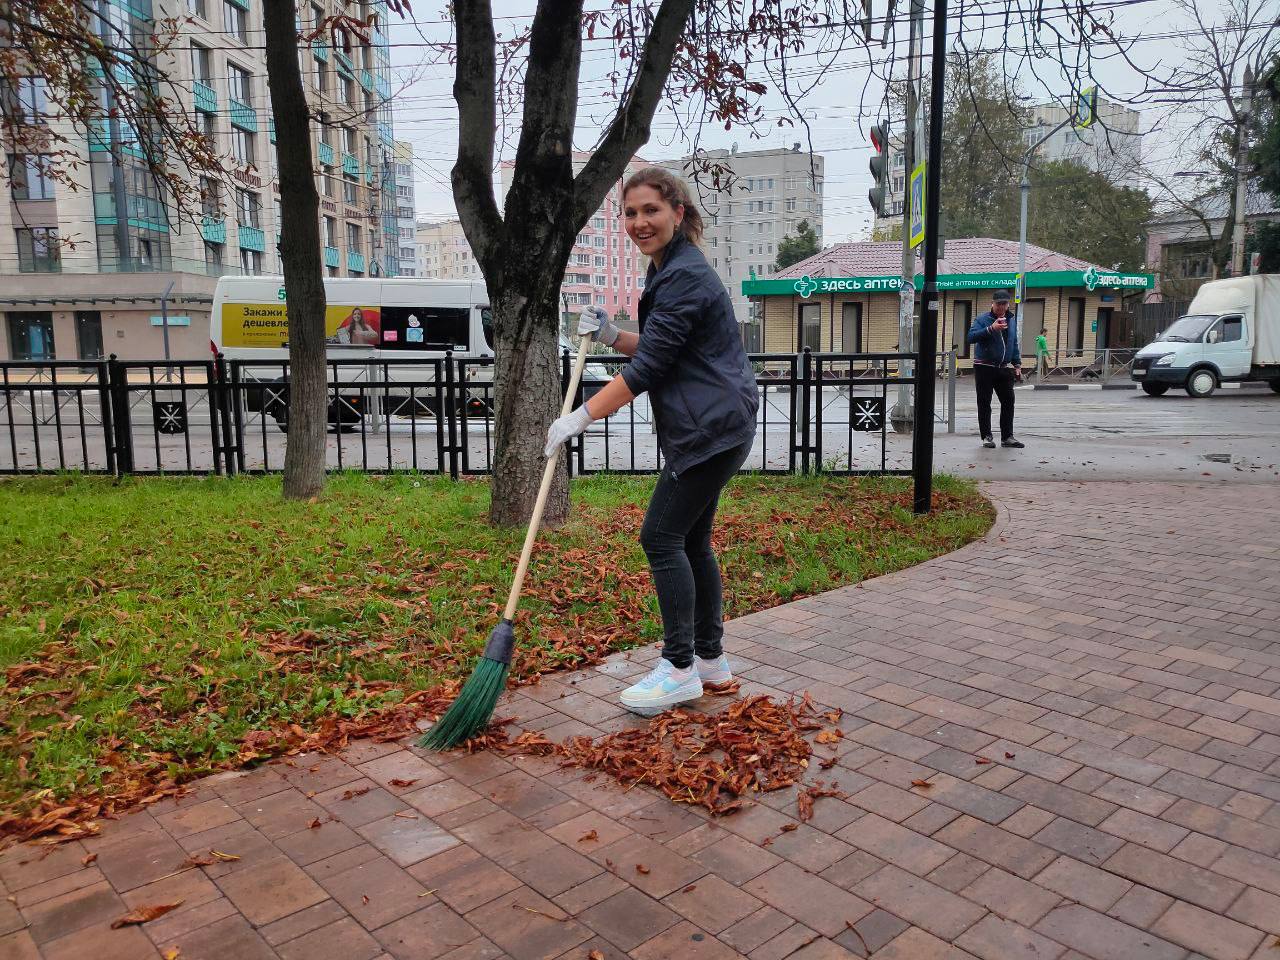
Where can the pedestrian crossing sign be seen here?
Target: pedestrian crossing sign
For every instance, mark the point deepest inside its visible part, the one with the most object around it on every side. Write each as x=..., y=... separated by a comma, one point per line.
x=917, y=205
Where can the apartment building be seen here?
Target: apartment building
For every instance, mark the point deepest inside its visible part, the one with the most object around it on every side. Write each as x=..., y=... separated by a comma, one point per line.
x=1111, y=145
x=443, y=252
x=133, y=260
x=765, y=197
x=406, y=225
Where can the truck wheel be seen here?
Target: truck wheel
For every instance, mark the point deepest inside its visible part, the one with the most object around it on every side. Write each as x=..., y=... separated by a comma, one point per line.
x=1155, y=389
x=1202, y=383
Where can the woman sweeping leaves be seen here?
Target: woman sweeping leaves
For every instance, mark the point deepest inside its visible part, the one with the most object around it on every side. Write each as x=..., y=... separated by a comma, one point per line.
x=689, y=358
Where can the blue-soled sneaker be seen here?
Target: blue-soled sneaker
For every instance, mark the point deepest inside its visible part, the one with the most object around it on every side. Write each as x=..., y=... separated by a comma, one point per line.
x=713, y=671
x=661, y=688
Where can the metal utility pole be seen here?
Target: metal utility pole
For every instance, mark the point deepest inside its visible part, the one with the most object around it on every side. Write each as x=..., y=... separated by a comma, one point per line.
x=1021, y=292
x=922, y=437
x=901, y=416
x=1242, y=177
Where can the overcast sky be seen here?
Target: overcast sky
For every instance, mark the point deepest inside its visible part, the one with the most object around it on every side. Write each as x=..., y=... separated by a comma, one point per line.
x=425, y=113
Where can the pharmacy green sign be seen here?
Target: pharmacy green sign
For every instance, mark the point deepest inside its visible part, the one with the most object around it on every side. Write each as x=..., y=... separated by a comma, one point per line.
x=1090, y=279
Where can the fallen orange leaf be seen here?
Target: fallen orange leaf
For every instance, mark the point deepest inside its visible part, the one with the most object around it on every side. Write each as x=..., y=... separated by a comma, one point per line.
x=145, y=914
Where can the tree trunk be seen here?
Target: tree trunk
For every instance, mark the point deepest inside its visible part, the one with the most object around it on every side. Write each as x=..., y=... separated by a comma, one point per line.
x=304, y=458
x=528, y=396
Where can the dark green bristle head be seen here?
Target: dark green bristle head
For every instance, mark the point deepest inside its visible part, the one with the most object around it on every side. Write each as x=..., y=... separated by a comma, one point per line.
x=472, y=711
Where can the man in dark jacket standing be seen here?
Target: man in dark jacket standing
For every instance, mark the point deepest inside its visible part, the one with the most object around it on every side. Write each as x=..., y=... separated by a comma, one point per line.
x=997, y=363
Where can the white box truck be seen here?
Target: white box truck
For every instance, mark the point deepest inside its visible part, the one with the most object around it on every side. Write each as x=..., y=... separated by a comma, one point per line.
x=1230, y=334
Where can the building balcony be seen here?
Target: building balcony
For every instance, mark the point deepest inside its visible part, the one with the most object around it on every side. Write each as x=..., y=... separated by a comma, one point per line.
x=243, y=116
x=251, y=238
x=320, y=50
x=214, y=230
x=206, y=97
x=271, y=129
x=371, y=175
x=325, y=153
x=331, y=256
x=385, y=134
x=345, y=67
x=355, y=262
x=350, y=165
x=366, y=80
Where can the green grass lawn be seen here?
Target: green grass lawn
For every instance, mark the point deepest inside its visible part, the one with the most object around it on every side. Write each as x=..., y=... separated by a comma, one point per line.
x=148, y=626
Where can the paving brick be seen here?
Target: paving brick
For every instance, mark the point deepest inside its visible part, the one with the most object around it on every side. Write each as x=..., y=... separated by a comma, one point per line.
x=555, y=870
x=298, y=924
x=1256, y=908
x=1061, y=800
x=405, y=840
x=1078, y=841
x=1145, y=830
x=1178, y=879
x=795, y=937
x=1103, y=938
x=916, y=944
x=684, y=940
x=1135, y=796
x=871, y=933
x=994, y=938
x=629, y=918
x=376, y=892
x=19, y=946
x=1224, y=826
x=341, y=940
x=414, y=771
x=1198, y=849
x=440, y=797
x=1249, y=867
x=359, y=803
x=101, y=943
x=139, y=859
x=888, y=801
x=1000, y=848
x=229, y=939
x=426, y=934
x=1011, y=897
x=896, y=844
x=463, y=879
x=757, y=929
x=919, y=902
x=270, y=891
x=1140, y=906
x=807, y=898
x=1210, y=934
x=521, y=923
x=1079, y=881
x=280, y=814
x=73, y=911
x=735, y=859
x=975, y=800
x=584, y=895
x=666, y=871
x=712, y=903
x=26, y=866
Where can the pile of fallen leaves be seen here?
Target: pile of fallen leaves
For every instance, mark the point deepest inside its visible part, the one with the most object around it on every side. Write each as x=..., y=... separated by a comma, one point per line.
x=711, y=760
x=359, y=633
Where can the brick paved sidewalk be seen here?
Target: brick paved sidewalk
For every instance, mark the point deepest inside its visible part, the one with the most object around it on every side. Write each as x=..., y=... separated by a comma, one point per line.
x=1119, y=664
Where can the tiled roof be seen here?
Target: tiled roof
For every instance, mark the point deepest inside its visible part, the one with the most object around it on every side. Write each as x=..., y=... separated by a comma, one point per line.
x=969, y=255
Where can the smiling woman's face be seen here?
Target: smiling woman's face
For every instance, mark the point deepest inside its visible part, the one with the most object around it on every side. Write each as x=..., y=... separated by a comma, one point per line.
x=651, y=222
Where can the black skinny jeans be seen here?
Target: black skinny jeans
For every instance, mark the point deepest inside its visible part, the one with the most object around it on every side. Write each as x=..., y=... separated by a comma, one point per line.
x=1000, y=380
x=676, y=537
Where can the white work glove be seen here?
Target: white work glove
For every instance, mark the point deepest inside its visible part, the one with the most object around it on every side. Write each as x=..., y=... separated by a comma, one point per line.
x=594, y=322
x=566, y=428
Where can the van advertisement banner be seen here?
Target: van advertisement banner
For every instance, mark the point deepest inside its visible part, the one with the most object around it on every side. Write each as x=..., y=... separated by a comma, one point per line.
x=266, y=325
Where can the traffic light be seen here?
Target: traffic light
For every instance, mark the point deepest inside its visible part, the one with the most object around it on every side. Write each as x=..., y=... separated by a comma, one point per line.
x=879, y=194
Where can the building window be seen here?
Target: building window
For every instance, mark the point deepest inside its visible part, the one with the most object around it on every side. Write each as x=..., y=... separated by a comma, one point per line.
x=241, y=84
x=29, y=101
x=598, y=242
x=213, y=256
x=248, y=209
x=353, y=238
x=600, y=261
x=210, y=197
x=330, y=232
x=197, y=8
x=599, y=280
x=242, y=147
x=350, y=191
x=38, y=250
x=201, y=64
x=250, y=262
x=235, y=21
x=30, y=176
x=207, y=124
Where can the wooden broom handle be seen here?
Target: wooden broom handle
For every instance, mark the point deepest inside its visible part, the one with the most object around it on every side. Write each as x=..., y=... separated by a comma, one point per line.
x=544, y=491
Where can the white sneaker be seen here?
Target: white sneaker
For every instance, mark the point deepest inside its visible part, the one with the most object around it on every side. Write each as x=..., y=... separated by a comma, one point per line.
x=663, y=687
x=713, y=671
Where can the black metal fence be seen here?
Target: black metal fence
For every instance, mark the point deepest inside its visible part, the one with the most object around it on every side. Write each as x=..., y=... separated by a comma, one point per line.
x=818, y=412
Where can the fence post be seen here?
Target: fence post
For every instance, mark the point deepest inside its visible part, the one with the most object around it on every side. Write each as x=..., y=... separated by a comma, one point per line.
x=229, y=459
x=1106, y=365
x=108, y=424
x=951, y=391
x=118, y=387
x=806, y=372
x=451, y=411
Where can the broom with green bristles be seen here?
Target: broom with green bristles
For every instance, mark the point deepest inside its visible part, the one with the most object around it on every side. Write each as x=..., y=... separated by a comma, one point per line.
x=471, y=712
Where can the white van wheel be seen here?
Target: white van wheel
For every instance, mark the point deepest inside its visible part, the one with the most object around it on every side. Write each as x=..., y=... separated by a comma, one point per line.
x=1201, y=383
